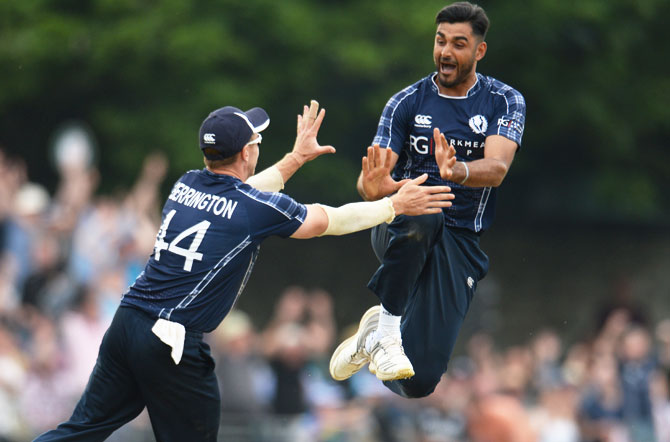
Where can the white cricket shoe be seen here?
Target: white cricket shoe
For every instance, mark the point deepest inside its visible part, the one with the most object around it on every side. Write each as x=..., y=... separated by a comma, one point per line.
x=388, y=360
x=350, y=356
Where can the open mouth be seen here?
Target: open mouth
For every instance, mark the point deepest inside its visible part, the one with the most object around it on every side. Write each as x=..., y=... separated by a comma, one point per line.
x=447, y=68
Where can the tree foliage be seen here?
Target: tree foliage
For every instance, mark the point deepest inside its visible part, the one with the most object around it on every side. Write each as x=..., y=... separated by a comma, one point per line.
x=144, y=73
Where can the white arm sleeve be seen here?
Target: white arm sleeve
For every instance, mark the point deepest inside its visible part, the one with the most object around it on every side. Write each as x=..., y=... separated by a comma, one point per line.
x=354, y=217
x=269, y=180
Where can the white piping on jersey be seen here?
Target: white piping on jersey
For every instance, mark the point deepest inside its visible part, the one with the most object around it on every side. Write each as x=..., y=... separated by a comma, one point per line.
x=506, y=104
x=209, y=277
x=393, y=113
x=408, y=168
x=245, y=279
x=453, y=97
x=267, y=203
x=482, y=206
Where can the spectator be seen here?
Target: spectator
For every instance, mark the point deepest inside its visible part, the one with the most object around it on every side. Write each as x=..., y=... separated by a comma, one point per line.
x=637, y=365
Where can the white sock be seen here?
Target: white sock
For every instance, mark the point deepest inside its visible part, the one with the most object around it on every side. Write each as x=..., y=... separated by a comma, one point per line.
x=389, y=324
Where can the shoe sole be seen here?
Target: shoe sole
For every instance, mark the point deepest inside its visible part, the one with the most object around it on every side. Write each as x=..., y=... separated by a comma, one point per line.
x=340, y=348
x=401, y=374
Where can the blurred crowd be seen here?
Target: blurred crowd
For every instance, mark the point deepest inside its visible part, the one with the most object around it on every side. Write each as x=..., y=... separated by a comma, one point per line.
x=66, y=257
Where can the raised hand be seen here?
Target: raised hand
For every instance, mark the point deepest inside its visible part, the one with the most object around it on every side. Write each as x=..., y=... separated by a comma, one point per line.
x=306, y=147
x=445, y=155
x=414, y=199
x=375, y=180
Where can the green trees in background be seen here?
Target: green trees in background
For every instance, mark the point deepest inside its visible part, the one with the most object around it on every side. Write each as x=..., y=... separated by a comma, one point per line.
x=143, y=74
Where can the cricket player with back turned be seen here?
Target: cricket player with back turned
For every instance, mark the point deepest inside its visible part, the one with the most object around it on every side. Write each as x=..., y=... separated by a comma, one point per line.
x=213, y=223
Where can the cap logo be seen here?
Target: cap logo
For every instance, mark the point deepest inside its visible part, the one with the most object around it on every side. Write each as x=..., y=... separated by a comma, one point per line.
x=209, y=138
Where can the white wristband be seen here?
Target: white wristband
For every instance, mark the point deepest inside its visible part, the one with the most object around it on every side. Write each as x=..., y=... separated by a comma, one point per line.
x=354, y=217
x=467, y=172
x=269, y=180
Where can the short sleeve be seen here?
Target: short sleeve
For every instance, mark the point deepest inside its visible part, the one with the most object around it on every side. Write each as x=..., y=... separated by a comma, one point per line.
x=272, y=213
x=510, y=115
x=395, y=120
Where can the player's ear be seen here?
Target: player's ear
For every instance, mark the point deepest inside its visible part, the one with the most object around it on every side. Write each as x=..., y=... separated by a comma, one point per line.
x=481, y=50
x=245, y=152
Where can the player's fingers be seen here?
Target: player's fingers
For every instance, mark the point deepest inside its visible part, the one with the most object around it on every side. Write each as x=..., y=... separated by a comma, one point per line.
x=319, y=119
x=379, y=156
x=441, y=203
x=372, y=156
x=420, y=179
x=303, y=116
x=437, y=135
x=387, y=158
x=313, y=109
x=441, y=197
x=436, y=189
x=450, y=149
x=431, y=210
x=364, y=166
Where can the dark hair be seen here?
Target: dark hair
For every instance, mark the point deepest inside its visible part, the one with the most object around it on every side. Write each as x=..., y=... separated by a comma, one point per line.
x=465, y=12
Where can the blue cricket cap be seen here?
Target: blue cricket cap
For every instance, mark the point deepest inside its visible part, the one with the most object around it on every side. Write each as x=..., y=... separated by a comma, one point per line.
x=228, y=129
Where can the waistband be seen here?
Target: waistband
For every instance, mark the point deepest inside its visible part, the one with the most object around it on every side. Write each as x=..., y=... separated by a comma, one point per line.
x=146, y=317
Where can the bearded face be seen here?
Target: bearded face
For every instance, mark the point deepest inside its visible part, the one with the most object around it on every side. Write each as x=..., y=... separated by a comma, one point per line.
x=455, y=53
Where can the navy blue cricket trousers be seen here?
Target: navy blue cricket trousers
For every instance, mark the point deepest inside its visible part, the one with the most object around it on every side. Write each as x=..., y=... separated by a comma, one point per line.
x=428, y=275
x=134, y=369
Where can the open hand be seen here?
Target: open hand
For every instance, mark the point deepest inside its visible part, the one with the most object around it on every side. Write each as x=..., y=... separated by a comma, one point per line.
x=445, y=155
x=414, y=199
x=376, y=181
x=306, y=147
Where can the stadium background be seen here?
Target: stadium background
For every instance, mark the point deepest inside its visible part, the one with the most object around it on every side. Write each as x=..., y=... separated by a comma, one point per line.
x=582, y=222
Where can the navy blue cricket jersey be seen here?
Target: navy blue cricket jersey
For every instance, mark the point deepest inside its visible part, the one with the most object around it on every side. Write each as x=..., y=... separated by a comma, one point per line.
x=489, y=108
x=206, y=247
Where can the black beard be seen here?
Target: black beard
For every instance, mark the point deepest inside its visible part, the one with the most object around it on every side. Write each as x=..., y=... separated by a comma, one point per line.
x=462, y=75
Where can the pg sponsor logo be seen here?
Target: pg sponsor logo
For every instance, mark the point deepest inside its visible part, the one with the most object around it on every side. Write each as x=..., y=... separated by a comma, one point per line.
x=479, y=124
x=420, y=144
x=209, y=138
x=509, y=123
x=424, y=121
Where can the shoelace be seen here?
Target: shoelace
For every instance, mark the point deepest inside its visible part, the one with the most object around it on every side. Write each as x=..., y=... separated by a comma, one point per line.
x=390, y=345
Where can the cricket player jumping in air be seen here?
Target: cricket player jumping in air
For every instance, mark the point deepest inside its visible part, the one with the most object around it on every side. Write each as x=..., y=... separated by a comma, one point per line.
x=430, y=264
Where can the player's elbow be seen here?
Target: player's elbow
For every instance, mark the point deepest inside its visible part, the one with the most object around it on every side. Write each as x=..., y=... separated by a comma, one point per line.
x=321, y=225
x=499, y=173
x=315, y=223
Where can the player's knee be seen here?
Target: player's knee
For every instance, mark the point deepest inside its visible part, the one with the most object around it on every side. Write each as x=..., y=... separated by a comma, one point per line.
x=424, y=227
x=420, y=385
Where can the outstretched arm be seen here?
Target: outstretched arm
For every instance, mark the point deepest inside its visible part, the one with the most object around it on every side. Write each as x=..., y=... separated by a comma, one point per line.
x=411, y=199
x=305, y=148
